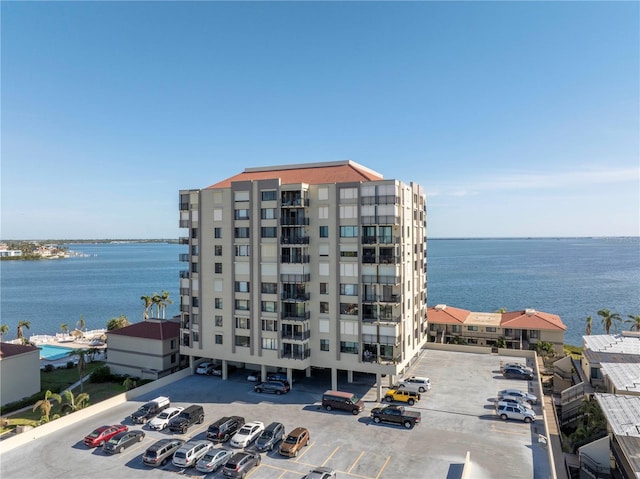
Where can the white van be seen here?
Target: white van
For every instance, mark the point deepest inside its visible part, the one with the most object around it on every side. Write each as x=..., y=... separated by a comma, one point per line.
x=415, y=384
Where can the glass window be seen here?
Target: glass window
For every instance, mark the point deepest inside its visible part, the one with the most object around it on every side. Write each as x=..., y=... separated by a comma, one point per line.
x=242, y=304
x=348, y=347
x=217, y=250
x=195, y=268
x=472, y=328
x=269, y=343
x=348, y=231
x=324, y=307
x=218, y=338
x=324, y=345
x=242, y=286
x=324, y=231
x=268, y=213
x=269, y=306
x=218, y=322
x=491, y=329
x=269, y=288
x=244, y=341
x=243, y=323
x=242, y=250
x=324, y=288
x=269, y=195
x=269, y=325
x=217, y=232
x=218, y=303
x=218, y=268
x=349, y=308
x=241, y=232
x=241, y=214
x=268, y=232
x=349, y=289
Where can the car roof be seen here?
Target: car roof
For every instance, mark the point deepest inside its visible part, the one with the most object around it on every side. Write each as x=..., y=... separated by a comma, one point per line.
x=273, y=426
x=298, y=431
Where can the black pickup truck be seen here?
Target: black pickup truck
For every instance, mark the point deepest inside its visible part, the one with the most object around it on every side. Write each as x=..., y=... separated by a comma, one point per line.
x=396, y=415
x=150, y=409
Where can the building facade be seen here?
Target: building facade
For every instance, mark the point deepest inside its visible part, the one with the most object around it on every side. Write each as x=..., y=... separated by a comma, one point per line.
x=308, y=265
x=19, y=372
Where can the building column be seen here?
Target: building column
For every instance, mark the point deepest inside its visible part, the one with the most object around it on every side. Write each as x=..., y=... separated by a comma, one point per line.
x=379, y=387
x=225, y=374
x=290, y=377
x=263, y=372
x=334, y=379
x=392, y=379
x=349, y=376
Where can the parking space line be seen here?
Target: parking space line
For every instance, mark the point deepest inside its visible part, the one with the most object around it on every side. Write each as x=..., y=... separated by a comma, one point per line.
x=383, y=467
x=330, y=455
x=305, y=451
x=355, y=463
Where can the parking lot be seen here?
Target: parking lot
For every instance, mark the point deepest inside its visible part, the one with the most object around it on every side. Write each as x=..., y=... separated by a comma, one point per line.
x=458, y=416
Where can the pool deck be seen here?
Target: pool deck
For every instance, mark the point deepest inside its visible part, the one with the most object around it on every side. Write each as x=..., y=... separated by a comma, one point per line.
x=90, y=341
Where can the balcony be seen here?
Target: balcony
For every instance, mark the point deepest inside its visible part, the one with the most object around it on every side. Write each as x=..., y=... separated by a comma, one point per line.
x=295, y=315
x=183, y=240
x=294, y=202
x=184, y=257
x=184, y=223
x=375, y=318
x=380, y=220
x=285, y=354
x=293, y=259
x=294, y=239
x=295, y=278
x=380, y=279
x=184, y=274
x=299, y=221
x=385, y=298
x=380, y=200
x=300, y=336
x=295, y=297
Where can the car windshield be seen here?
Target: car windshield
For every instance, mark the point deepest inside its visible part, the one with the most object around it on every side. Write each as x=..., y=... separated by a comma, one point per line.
x=152, y=454
x=245, y=431
x=163, y=415
x=291, y=440
x=113, y=440
x=94, y=434
x=266, y=435
x=354, y=399
x=208, y=457
x=180, y=455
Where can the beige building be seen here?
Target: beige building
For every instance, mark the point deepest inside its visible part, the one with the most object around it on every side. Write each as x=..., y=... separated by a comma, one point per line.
x=148, y=350
x=19, y=372
x=519, y=329
x=294, y=266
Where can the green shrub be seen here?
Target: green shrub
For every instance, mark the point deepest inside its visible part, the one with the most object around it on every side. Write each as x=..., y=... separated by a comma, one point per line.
x=48, y=368
x=70, y=365
x=101, y=375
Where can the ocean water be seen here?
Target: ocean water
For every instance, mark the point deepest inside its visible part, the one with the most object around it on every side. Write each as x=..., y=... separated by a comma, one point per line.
x=571, y=277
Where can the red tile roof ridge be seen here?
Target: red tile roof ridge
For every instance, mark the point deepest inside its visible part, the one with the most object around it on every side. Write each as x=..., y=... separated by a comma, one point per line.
x=531, y=315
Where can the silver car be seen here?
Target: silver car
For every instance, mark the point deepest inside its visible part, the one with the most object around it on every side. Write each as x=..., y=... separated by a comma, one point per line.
x=190, y=453
x=213, y=460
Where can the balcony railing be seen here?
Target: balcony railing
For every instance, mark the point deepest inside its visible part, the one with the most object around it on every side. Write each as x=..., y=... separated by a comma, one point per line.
x=301, y=221
x=380, y=200
x=184, y=274
x=303, y=336
x=380, y=279
x=184, y=291
x=380, y=220
x=295, y=202
x=183, y=240
x=295, y=278
x=184, y=206
x=184, y=223
x=296, y=354
x=295, y=315
x=184, y=257
x=184, y=308
x=374, y=318
x=287, y=296
x=294, y=240
x=376, y=298
x=301, y=258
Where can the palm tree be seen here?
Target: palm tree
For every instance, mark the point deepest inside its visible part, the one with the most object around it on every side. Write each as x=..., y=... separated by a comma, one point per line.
x=635, y=322
x=609, y=319
x=71, y=403
x=164, y=301
x=80, y=325
x=501, y=342
x=4, y=329
x=156, y=300
x=588, y=325
x=82, y=364
x=148, y=302
x=22, y=324
x=64, y=327
x=116, y=323
x=45, y=404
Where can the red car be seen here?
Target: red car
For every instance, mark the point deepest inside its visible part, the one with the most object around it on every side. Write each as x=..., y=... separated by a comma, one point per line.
x=103, y=434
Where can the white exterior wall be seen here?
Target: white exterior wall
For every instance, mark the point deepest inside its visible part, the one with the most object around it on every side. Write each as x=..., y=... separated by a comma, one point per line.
x=140, y=357
x=19, y=376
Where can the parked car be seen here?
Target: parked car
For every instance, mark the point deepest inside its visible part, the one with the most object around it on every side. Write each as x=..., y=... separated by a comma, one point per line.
x=400, y=395
x=217, y=370
x=342, y=400
x=224, y=428
x=161, y=451
x=190, y=453
x=516, y=365
x=122, y=440
x=517, y=373
x=396, y=415
x=295, y=441
x=101, y=435
x=150, y=409
x=423, y=384
x=161, y=421
x=213, y=459
x=321, y=473
x=205, y=368
x=271, y=436
x=240, y=464
x=276, y=387
x=515, y=411
x=530, y=398
x=254, y=376
x=247, y=434
x=515, y=400
x=189, y=416
x=279, y=377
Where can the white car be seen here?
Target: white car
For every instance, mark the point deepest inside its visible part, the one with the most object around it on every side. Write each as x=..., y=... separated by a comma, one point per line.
x=522, y=366
x=162, y=420
x=514, y=400
x=205, y=368
x=416, y=382
x=530, y=398
x=513, y=411
x=247, y=434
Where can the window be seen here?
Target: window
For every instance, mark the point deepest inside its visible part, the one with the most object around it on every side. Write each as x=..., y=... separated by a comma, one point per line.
x=269, y=343
x=195, y=336
x=217, y=214
x=217, y=303
x=349, y=254
x=173, y=358
x=195, y=301
x=243, y=341
x=217, y=250
x=173, y=344
x=217, y=232
x=348, y=347
x=472, y=328
x=595, y=373
x=241, y=214
x=242, y=304
x=472, y=341
x=324, y=345
x=348, y=193
x=242, y=250
x=269, y=306
x=195, y=268
x=323, y=213
x=268, y=213
x=534, y=334
x=323, y=288
x=269, y=288
x=218, y=268
x=348, y=211
x=323, y=193
x=490, y=329
x=241, y=196
x=269, y=325
x=349, y=308
x=324, y=307
x=241, y=232
x=269, y=195
x=195, y=250
x=218, y=338
x=243, y=323
x=324, y=231
x=218, y=320
x=348, y=231
x=349, y=289
x=455, y=328
x=269, y=232
x=242, y=286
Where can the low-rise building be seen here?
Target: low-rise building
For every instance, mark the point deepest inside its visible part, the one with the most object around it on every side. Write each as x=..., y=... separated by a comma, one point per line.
x=518, y=329
x=19, y=372
x=148, y=350
x=612, y=362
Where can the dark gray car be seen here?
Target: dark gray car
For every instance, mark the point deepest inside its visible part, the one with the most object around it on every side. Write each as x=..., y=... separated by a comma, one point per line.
x=161, y=452
x=270, y=437
x=240, y=464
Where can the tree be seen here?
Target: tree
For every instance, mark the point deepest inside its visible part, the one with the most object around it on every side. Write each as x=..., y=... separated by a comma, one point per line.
x=609, y=319
x=635, y=322
x=501, y=342
x=156, y=299
x=164, y=301
x=64, y=327
x=589, y=325
x=22, y=324
x=45, y=405
x=501, y=310
x=71, y=403
x=82, y=364
x=148, y=303
x=117, y=323
x=4, y=329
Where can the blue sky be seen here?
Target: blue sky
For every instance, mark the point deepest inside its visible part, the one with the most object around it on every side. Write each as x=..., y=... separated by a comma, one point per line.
x=517, y=118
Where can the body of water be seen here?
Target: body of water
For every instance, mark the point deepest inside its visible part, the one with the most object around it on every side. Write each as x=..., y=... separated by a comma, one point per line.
x=571, y=277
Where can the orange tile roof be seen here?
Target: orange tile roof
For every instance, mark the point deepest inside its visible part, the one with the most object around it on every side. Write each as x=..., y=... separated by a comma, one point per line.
x=532, y=319
x=149, y=330
x=448, y=315
x=312, y=174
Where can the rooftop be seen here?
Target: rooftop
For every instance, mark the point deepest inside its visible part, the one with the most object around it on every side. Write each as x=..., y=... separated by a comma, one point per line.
x=525, y=319
x=624, y=376
x=149, y=329
x=8, y=349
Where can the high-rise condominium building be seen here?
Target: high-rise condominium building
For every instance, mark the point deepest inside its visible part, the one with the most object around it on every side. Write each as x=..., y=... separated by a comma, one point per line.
x=307, y=265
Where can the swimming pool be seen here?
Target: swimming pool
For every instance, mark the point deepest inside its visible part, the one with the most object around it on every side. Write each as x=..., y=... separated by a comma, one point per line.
x=51, y=353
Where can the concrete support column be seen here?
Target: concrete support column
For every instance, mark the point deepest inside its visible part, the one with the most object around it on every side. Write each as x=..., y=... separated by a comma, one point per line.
x=263, y=373
x=334, y=378
x=392, y=380
x=349, y=376
x=192, y=365
x=307, y=372
x=290, y=377
x=378, y=387
x=225, y=374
